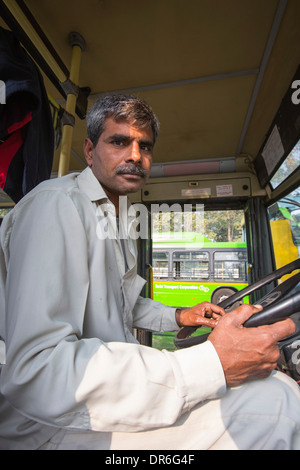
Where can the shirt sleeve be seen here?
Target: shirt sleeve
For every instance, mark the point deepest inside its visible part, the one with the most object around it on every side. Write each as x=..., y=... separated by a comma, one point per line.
x=56, y=376
x=154, y=316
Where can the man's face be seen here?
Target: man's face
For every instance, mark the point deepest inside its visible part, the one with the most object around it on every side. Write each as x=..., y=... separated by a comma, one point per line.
x=122, y=158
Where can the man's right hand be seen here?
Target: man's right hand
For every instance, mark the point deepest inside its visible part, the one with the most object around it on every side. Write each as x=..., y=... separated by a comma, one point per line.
x=248, y=353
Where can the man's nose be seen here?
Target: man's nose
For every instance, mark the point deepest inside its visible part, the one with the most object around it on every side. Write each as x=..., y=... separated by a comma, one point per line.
x=134, y=153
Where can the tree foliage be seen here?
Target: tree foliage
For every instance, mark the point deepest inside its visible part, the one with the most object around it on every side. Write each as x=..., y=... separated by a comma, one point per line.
x=218, y=226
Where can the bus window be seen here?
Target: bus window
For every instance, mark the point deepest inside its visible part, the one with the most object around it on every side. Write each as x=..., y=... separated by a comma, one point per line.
x=284, y=215
x=290, y=164
x=183, y=261
x=190, y=265
x=284, y=218
x=160, y=262
x=230, y=265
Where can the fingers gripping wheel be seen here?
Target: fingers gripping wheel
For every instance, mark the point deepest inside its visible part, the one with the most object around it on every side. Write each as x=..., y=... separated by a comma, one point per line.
x=275, y=307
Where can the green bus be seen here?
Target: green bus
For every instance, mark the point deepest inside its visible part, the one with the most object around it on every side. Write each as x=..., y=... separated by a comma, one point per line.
x=189, y=269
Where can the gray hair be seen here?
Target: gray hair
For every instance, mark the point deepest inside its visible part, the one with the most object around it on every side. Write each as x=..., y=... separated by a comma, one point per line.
x=121, y=108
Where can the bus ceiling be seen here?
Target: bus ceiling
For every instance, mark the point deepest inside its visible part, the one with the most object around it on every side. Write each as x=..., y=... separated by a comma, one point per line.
x=223, y=78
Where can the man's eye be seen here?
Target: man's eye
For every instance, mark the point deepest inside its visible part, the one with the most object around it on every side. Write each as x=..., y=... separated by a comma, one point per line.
x=119, y=143
x=146, y=148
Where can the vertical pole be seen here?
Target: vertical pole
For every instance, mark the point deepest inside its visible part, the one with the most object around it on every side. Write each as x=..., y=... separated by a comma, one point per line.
x=78, y=45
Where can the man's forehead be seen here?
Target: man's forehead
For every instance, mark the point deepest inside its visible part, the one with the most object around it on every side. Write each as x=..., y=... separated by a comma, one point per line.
x=126, y=127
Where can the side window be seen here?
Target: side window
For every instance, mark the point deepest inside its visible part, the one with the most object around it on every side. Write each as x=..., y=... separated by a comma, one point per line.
x=284, y=215
x=230, y=265
x=284, y=218
x=160, y=261
x=190, y=265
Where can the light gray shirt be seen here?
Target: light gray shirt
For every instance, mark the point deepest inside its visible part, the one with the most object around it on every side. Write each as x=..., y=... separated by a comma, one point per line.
x=68, y=307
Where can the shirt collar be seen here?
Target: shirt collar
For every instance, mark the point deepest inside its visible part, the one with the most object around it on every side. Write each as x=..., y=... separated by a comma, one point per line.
x=88, y=183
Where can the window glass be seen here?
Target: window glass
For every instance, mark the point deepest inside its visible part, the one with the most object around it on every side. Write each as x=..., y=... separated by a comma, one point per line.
x=160, y=264
x=159, y=255
x=230, y=255
x=230, y=266
x=290, y=164
x=190, y=265
x=284, y=218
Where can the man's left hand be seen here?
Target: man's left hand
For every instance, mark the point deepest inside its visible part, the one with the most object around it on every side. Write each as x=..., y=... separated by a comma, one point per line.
x=206, y=314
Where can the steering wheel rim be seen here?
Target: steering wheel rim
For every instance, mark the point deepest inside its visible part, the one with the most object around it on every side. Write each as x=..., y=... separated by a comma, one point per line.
x=271, y=312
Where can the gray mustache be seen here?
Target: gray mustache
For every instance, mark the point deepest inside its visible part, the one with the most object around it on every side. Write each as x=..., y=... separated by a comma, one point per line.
x=131, y=170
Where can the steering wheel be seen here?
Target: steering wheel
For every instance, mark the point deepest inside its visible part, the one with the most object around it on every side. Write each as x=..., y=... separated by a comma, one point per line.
x=282, y=308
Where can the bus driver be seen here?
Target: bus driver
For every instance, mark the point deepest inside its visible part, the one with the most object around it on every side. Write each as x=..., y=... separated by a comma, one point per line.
x=75, y=376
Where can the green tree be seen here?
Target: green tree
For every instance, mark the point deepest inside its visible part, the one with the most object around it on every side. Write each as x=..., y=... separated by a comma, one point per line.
x=218, y=226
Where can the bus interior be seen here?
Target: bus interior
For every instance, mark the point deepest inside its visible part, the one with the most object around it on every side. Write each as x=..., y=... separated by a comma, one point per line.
x=224, y=81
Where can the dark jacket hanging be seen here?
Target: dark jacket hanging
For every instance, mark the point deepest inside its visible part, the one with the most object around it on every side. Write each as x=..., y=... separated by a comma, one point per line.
x=26, y=129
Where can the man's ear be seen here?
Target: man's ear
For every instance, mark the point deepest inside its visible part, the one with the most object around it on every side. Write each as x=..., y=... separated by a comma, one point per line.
x=88, y=151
